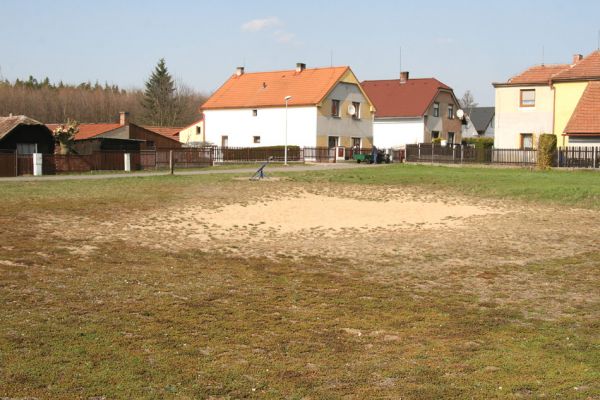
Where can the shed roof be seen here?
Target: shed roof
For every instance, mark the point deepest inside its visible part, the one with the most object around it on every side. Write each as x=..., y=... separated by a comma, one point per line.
x=8, y=124
x=87, y=131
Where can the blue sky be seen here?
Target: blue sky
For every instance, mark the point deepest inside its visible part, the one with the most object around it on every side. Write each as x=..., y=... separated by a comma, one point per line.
x=465, y=44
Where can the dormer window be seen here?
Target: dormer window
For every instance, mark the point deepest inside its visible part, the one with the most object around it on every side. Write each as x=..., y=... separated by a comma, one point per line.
x=335, y=108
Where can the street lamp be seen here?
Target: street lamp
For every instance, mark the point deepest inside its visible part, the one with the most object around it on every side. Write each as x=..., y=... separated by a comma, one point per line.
x=287, y=98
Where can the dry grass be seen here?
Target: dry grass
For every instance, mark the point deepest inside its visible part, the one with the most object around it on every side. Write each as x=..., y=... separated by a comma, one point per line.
x=500, y=306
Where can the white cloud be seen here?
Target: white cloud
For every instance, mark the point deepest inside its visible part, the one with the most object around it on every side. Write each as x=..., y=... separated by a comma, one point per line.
x=259, y=24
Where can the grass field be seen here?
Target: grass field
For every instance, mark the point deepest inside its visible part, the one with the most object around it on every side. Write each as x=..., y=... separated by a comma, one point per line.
x=411, y=282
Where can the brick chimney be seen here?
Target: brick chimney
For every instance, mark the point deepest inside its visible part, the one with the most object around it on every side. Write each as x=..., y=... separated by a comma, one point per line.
x=577, y=58
x=239, y=71
x=123, y=118
x=300, y=67
x=403, y=76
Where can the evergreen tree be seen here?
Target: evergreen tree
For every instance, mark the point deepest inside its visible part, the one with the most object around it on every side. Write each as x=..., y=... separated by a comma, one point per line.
x=160, y=102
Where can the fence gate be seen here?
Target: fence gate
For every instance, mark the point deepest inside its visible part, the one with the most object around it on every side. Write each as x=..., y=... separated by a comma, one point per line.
x=8, y=163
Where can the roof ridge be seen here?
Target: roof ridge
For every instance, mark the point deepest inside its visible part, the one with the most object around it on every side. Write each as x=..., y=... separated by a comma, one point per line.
x=290, y=70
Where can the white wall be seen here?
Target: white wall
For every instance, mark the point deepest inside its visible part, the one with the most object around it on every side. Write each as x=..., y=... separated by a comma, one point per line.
x=398, y=132
x=241, y=126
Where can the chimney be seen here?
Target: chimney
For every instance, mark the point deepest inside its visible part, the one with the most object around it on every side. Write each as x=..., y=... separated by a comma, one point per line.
x=123, y=118
x=239, y=71
x=577, y=58
x=403, y=76
x=300, y=67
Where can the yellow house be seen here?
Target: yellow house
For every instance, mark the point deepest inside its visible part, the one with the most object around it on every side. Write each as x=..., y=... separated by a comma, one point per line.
x=576, y=104
x=193, y=133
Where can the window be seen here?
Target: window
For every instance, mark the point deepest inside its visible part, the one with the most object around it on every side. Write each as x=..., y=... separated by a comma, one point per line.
x=335, y=108
x=150, y=144
x=256, y=139
x=527, y=98
x=435, y=134
x=356, y=142
x=333, y=141
x=451, y=111
x=436, y=109
x=198, y=130
x=356, y=105
x=526, y=141
x=26, y=148
x=224, y=141
x=254, y=113
x=450, y=138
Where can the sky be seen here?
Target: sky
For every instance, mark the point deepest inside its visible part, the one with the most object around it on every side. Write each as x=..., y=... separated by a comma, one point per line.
x=465, y=44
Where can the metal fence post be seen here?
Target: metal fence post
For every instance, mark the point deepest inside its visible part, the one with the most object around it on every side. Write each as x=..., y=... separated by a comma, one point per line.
x=462, y=153
x=594, y=157
x=432, y=151
x=419, y=147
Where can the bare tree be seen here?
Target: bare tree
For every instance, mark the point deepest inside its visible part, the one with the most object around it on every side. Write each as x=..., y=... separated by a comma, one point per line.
x=467, y=101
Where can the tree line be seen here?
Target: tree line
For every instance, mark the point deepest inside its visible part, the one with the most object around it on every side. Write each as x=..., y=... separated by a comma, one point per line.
x=162, y=103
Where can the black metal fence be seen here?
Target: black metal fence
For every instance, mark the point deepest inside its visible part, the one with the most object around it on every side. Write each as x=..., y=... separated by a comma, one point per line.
x=573, y=157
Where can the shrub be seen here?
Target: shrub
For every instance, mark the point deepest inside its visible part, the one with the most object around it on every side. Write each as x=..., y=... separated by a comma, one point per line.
x=546, y=149
x=479, y=143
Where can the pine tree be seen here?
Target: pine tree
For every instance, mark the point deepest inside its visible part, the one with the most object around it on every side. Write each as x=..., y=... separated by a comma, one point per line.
x=159, y=102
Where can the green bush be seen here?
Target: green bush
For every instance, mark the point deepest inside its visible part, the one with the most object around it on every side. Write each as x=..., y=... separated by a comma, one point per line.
x=546, y=149
x=480, y=143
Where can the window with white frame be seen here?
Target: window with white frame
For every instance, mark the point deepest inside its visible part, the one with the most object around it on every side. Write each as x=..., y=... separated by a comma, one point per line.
x=356, y=105
x=335, y=108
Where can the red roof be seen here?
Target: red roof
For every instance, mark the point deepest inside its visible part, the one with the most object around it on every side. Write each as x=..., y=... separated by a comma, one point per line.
x=588, y=68
x=268, y=89
x=410, y=99
x=168, y=131
x=87, y=131
x=586, y=117
x=538, y=74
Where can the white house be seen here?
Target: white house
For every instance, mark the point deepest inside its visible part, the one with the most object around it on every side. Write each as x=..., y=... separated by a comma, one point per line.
x=411, y=111
x=319, y=107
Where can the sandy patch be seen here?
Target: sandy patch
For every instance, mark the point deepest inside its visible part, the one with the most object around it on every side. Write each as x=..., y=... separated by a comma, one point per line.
x=311, y=211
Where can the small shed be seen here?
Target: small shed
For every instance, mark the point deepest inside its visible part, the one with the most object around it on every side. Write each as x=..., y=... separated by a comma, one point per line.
x=25, y=135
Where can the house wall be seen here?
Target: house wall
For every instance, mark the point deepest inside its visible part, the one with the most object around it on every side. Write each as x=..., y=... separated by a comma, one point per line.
x=345, y=126
x=512, y=119
x=241, y=126
x=567, y=97
x=191, y=135
x=442, y=123
x=398, y=132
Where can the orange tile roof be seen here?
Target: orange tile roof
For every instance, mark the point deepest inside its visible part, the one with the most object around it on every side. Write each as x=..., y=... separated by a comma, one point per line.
x=268, y=89
x=586, y=117
x=168, y=131
x=87, y=131
x=588, y=68
x=538, y=74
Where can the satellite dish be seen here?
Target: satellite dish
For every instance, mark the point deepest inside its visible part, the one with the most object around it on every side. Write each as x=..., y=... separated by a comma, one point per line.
x=460, y=113
x=351, y=109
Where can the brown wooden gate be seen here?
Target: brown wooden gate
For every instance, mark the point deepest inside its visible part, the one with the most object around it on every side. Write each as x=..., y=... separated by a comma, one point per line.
x=8, y=163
